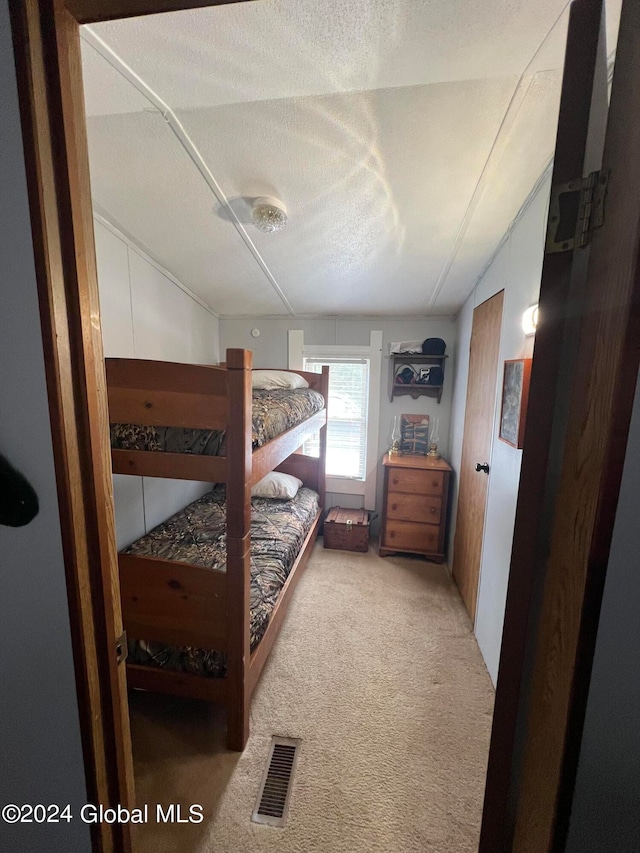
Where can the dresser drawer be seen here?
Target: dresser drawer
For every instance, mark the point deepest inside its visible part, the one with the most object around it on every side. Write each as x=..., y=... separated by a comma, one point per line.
x=414, y=481
x=410, y=536
x=408, y=507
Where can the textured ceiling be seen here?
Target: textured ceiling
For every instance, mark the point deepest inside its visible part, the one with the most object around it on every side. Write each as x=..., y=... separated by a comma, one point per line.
x=402, y=135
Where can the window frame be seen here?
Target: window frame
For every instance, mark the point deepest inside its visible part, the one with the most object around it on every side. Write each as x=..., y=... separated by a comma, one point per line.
x=298, y=351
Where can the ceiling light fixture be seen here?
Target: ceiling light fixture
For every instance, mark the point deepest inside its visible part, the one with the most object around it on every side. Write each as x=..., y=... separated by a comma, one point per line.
x=268, y=214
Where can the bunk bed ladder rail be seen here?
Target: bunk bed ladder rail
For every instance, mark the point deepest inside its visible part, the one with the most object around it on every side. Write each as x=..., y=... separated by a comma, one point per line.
x=239, y=363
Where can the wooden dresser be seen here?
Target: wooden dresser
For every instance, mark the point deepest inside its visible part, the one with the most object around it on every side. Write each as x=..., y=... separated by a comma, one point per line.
x=414, y=510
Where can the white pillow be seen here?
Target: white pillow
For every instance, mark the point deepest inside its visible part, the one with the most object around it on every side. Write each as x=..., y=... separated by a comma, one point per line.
x=277, y=485
x=270, y=380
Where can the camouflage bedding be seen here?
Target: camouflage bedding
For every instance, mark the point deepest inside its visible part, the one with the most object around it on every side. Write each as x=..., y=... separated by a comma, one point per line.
x=197, y=534
x=274, y=412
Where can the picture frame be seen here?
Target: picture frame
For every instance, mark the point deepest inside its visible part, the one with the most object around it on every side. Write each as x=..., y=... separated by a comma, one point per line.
x=515, y=397
x=414, y=435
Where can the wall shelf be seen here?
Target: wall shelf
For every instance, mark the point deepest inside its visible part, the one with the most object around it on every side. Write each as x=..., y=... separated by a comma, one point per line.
x=414, y=389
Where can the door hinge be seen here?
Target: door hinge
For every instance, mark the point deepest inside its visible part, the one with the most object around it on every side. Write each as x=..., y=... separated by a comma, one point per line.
x=575, y=210
x=121, y=648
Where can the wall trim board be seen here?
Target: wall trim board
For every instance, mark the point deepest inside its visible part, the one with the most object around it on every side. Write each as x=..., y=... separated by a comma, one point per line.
x=346, y=317
x=135, y=246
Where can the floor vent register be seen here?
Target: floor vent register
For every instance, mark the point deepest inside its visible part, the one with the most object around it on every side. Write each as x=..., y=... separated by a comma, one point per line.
x=272, y=804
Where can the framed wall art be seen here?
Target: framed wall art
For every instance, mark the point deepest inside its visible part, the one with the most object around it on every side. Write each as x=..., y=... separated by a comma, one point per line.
x=414, y=435
x=515, y=395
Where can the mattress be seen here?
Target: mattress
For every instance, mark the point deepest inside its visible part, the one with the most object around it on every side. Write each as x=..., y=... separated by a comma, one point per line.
x=197, y=534
x=273, y=412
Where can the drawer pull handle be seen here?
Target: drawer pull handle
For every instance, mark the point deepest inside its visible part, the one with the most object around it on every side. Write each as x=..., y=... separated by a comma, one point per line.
x=395, y=481
x=394, y=506
x=393, y=534
x=433, y=510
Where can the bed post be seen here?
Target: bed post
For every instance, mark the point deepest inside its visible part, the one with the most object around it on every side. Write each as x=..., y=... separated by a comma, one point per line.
x=322, y=461
x=238, y=546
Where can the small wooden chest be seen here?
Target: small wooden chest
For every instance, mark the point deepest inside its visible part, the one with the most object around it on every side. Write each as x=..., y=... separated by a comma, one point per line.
x=347, y=529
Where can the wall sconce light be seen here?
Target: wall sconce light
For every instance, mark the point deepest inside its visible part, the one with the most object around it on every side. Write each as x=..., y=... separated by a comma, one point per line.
x=530, y=320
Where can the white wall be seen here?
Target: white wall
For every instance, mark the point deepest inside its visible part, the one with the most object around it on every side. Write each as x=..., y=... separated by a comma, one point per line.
x=270, y=350
x=39, y=726
x=517, y=269
x=146, y=313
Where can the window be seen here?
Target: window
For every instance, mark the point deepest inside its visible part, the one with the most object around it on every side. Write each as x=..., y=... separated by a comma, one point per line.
x=353, y=410
x=347, y=415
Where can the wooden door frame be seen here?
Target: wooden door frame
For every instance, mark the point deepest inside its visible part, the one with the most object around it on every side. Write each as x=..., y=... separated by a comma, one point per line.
x=603, y=387
x=46, y=44
x=568, y=499
x=531, y=532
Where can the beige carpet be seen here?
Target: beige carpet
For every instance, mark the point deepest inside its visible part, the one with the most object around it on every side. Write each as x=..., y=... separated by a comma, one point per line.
x=376, y=669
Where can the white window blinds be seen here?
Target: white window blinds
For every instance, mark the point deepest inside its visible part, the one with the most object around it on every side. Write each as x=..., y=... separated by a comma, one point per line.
x=347, y=415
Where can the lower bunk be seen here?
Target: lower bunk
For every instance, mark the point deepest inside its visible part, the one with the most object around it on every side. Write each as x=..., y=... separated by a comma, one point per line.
x=200, y=620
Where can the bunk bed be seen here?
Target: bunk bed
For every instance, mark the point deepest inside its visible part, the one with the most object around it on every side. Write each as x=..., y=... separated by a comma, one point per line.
x=190, y=605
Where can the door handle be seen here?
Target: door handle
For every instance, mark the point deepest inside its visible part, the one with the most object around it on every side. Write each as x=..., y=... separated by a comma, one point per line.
x=484, y=467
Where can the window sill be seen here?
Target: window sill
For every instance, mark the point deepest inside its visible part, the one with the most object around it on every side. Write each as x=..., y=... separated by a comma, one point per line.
x=345, y=486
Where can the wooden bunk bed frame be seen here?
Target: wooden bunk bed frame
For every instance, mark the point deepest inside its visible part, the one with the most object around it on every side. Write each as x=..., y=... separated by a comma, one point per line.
x=188, y=605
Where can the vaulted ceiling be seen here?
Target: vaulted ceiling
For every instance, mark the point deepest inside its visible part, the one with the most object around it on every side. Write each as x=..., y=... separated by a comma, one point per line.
x=402, y=135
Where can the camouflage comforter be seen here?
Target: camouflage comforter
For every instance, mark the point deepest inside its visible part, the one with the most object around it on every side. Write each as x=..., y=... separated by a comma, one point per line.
x=274, y=412
x=197, y=534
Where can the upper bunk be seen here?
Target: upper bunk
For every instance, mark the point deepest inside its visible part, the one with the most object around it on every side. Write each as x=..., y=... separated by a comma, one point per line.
x=214, y=420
